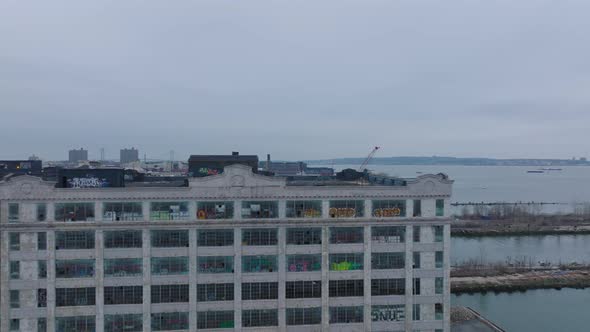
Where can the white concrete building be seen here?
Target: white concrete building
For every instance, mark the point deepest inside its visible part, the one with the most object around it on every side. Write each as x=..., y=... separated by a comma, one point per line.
x=236, y=251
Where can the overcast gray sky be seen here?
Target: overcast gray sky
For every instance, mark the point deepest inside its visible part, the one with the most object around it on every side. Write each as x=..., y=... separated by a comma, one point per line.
x=299, y=79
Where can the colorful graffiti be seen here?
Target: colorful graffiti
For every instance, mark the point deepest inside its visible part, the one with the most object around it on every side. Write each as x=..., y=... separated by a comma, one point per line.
x=90, y=182
x=388, y=313
x=387, y=212
x=342, y=212
x=312, y=213
x=209, y=171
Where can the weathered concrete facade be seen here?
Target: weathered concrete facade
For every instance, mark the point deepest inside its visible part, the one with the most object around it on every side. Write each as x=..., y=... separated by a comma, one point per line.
x=236, y=184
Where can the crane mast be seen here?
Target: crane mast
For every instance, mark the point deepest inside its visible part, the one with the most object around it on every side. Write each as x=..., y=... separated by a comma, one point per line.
x=369, y=157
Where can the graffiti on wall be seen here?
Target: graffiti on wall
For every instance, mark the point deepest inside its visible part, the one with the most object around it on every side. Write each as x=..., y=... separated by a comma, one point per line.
x=208, y=171
x=388, y=212
x=393, y=313
x=342, y=212
x=89, y=182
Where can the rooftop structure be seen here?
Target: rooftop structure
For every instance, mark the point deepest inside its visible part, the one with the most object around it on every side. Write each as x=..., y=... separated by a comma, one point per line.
x=205, y=165
x=129, y=156
x=20, y=167
x=234, y=251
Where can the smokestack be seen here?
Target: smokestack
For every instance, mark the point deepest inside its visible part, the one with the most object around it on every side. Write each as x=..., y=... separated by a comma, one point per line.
x=235, y=153
x=268, y=162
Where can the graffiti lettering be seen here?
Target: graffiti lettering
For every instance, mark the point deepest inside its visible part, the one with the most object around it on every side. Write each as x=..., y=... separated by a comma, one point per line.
x=342, y=212
x=388, y=212
x=87, y=183
x=208, y=171
x=388, y=314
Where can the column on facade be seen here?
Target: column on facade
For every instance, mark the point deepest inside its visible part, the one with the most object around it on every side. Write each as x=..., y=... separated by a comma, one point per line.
x=409, y=277
x=4, y=276
x=447, y=277
x=367, y=277
x=99, y=279
x=51, y=298
x=238, y=279
x=147, y=276
x=192, y=256
x=325, y=279
x=282, y=240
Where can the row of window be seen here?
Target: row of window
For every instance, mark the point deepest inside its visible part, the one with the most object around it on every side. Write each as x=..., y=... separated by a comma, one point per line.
x=179, y=293
x=119, y=211
x=171, y=321
x=125, y=267
x=225, y=237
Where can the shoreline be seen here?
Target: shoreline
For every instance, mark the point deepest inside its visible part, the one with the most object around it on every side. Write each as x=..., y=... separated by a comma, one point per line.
x=470, y=228
x=521, y=282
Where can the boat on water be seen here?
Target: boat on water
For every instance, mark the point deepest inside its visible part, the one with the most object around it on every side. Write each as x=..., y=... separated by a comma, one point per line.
x=535, y=171
x=551, y=169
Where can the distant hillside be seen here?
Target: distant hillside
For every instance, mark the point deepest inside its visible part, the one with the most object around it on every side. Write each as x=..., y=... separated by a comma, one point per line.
x=452, y=161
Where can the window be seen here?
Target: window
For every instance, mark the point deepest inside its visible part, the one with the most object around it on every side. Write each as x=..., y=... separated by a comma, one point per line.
x=260, y=209
x=169, y=293
x=74, y=212
x=304, y=316
x=215, y=264
x=215, y=210
x=389, y=208
x=438, y=285
x=170, y=321
x=304, y=236
x=15, y=324
x=215, y=292
x=440, y=207
x=14, y=270
x=388, y=234
x=123, y=323
x=75, y=324
x=14, y=241
x=416, y=234
x=41, y=324
x=438, y=311
x=388, y=313
x=346, y=262
x=388, y=260
x=41, y=298
x=417, y=208
x=42, y=269
x=438, y=233
x=41, y=241
x=14, y=299
x=41, y=211
x=416, y=286
x=169, y=238
x=345, y=288
x=346, y=315
x=304, y=209
x=381, y=287
x=259, y=264
x=303, y=289
x=122, y=239
x=169, y=211
x=416, y=312
x=123, y=267
x=74, y=268
x=346, y=235
x=116, y=211
x=254, y=318
x=260, y=291
x=416, y=259
x=259, y=237
x=215, y=319
x=215, y=237
x=304, y=263
x=123, y=295
x=74, y=240
x=68, y=297
x=169, y=265
x=346, y=209
x=438, y=259
x=13, y=212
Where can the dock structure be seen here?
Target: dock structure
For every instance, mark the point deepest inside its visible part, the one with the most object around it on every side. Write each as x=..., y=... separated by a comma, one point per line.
x=465, y=319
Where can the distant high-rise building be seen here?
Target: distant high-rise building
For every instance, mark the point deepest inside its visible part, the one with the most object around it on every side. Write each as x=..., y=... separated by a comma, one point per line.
x=77, y=155
x=129, y=155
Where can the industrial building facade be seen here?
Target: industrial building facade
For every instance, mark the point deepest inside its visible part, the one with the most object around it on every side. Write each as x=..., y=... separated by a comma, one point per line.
x=235, y=251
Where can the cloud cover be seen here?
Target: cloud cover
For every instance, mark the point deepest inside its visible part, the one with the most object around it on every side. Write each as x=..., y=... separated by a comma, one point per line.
x=297, y=79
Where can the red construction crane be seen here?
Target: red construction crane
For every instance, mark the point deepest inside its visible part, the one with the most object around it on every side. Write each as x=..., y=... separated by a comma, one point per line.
x=369, y=157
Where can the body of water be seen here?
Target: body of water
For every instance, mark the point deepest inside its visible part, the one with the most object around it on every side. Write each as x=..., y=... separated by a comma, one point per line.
x=543, y=310
x=504, y=183
x=552, y=248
